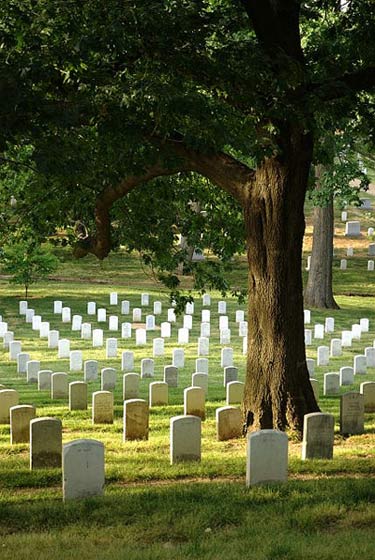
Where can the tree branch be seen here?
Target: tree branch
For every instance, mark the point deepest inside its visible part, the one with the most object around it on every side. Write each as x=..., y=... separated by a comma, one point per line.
x=223, y=170
x=340, y=86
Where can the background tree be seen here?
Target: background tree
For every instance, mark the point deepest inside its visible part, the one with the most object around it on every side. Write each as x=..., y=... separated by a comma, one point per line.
x=339, y=180
x=27, y=262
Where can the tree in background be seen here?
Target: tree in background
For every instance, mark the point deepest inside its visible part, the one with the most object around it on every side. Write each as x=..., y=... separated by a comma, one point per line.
x=339, y=180
x=27, y=262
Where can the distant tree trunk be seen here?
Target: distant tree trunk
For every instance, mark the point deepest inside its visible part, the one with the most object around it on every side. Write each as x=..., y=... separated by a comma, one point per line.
x=278, y=391
x=319, y=291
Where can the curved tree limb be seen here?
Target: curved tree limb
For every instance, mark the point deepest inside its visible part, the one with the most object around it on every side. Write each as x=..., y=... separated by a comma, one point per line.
x=223, y=170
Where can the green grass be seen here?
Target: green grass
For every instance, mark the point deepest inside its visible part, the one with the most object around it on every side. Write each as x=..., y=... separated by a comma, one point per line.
x=199, y=510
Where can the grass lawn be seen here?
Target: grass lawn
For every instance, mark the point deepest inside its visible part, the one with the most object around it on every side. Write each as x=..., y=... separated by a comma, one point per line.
x=200, y=510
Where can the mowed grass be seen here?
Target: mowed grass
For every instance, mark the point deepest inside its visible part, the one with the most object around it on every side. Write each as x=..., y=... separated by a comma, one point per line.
x=200, y=510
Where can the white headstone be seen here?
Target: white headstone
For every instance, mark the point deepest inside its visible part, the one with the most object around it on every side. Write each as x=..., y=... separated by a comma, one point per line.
x=353, y=229
x=126, y=330
x=113, y=298
x=145, y=300
x=22, y=307
x=331, y=384
x=240, y=315
x=158, y=393
x=165, y=330
x=221, y=307
x=235, y=391
x=188, y=322
x=360, y=367
x=127, y=360
x=29, y=315
x=113, y=323
x=178, y=357
x=91, y=308
x=102, y=407
x=322, y=356
x=15, y=348
x=183, y=336
x=171, y=315
x=206, y=300
x=243, y=328
x=158, y=347
x=35, y=323
x=194, y=402
x=318, y=331
x=201, y=364
x=352, y=413
x=150, y=323
x=230, y=374
x=329, y=326
x=344, y=216
x=228, y=423
x=206, y=316
x=223, y=322
x=171, y=376
x=267, y=457
x=346, y=339
x=101, y=315
x=90, y=370
x=310, y=366
x=199, y=379
x=307, y=316
x=97, y=338
x=111, y=348
x=185, y=439
x=76, y=361
x=130, y=386
x=140, y=337
x=371, y=250
x=370, y=356
x=205, y=329
x=86, y=331
x=157, y=308
x=364, y=323
x=336, y=347
x=368, y=391
x=108, y=379
x=136, y=419
x=318, y=435
x=66, y=314
x=83, y=469
x=189, y=308
x=147, y=367
x=125, y=307
x=7, y=339
x=76, y=322
x=346, y=375
x=226, y=357
x=343, y=264
x=63, y=348
x=225, y=336
x=22, y=359
x=32, y=368
x=356, y=331
x=59, y=385
x=53, y=339
x=349, y=252
x=308, y=337
x=44, y=379
x=203, y=346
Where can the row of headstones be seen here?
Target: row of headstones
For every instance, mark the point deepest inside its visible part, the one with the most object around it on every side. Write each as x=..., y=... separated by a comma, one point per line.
x=344, y=264
x=91, y=367
x=37, y=323
x=360, y=362
x=329, y=326
x=103, y=401
x=83, y=465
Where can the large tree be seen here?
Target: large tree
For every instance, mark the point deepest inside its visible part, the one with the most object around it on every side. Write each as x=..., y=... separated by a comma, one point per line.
x=235, y=92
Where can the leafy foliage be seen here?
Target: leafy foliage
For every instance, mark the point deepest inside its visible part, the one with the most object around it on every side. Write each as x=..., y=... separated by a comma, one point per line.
x=27, y=262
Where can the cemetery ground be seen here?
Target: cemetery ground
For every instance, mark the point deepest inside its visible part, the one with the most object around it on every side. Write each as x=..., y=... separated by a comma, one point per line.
x=152, y=509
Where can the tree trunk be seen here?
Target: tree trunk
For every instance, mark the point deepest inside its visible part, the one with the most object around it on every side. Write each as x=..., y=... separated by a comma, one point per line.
x=278, y=392
x=318, y=292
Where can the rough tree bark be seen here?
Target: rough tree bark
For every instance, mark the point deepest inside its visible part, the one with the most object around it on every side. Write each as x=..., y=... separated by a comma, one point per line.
x=278, y=392
x=319, y=291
